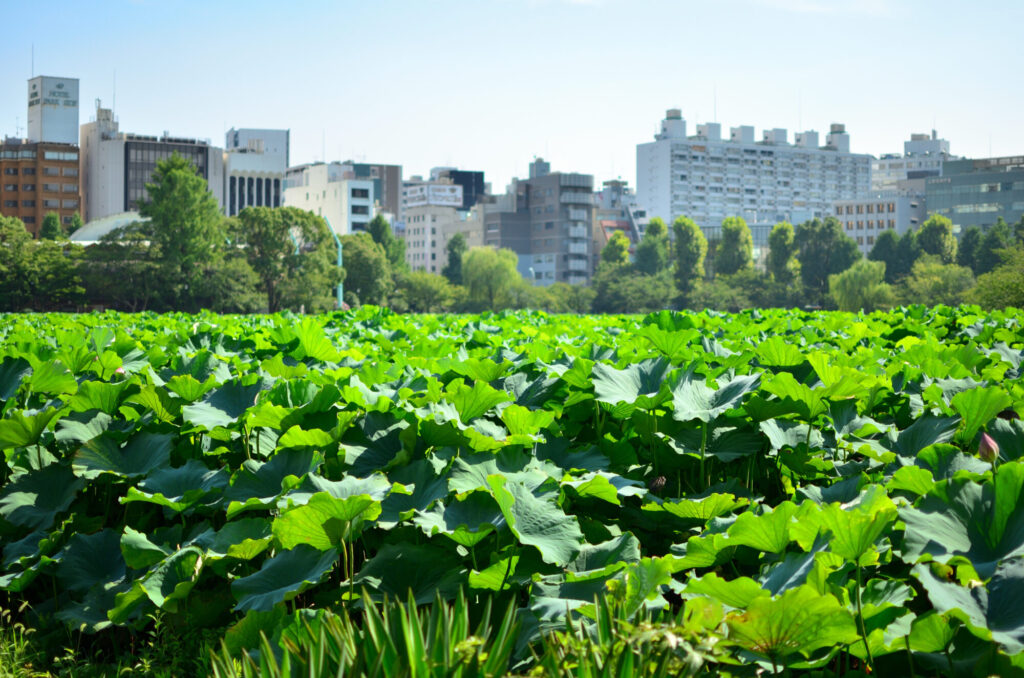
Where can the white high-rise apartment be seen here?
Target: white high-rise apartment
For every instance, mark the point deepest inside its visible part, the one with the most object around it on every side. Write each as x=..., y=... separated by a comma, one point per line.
x=922, y=157
x=331, y=191
x=255, y=164
x=708, y=178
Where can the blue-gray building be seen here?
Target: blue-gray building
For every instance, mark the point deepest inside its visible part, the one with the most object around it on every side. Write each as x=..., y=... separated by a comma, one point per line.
x=978, y=192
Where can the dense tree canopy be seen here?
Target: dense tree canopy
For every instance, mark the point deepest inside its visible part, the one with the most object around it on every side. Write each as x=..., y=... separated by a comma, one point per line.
x=861, y=287
x=455, y=248
x=652, y=254
x=823, y=250
x=490, y=276
x=736, y=249
x=691, y=247
x=616, y=251
x=936, y=238
x=367, y=271
x=782, y=262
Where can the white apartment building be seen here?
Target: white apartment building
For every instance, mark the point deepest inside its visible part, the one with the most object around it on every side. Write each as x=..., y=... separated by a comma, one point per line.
x=116, y=166
x=53, y=110
x=922, y=157
x=708, y=178
x=255, y=165
x=430, y=211
x=329, y=191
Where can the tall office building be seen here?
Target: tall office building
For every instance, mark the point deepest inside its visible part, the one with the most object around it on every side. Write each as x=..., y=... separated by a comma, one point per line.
x=867, y=216
x=53, y=110
x=708, y=178
x=255, y=164
x=116, y=166
x=331, y=190
x=978, y=192
x=547, y=220
x=37, y=178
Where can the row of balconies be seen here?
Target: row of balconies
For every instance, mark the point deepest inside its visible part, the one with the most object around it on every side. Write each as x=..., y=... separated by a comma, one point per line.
x=570, y=197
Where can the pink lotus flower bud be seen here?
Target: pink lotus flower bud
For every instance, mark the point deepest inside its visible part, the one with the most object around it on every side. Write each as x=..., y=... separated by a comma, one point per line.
x=988, y=449
x=119, y=370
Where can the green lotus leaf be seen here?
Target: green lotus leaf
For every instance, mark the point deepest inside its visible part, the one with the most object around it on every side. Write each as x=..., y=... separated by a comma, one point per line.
x=12, y=372
x=855, y=530
x=171, y=580
x=496, y=575
x=609, y=487
x=157, y=401
x=640, y=385
x=224, y=406
x=91, y=560
x=242, y=539
x=143, y=453
x=52, y=378
x=139, y=552
x=642, y=584
x=422, y=572
x=798, y=622
x=283, y=577
x=782, y=434
x=537, y=522
x=623, y=549
x=981, y=522
x=188, y=388
x=81, y=427
x=475, y=401
x=992, y=612
x=523, y=421
x=421, y=484
x=931, y=633
x=182, y=488
x=697, y=510
x=693, y=399
x=467, y=519
x=313, y=342
x=738, y=593
x=259, y=485
x=97, y=395
x=924, y=432
x=297, y=437
x=1009, y=435
x=34, y=499
x=709, y=551
x=325, y=522
x=470, y=471
x=979, y=406
x=805, y=400
x=22, y=428
x=768, y=531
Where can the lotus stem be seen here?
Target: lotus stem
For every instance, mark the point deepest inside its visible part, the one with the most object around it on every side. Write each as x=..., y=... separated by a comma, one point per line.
x=863, y=628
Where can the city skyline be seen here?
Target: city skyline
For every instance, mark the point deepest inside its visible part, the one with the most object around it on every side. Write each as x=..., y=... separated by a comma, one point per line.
x=489, y=86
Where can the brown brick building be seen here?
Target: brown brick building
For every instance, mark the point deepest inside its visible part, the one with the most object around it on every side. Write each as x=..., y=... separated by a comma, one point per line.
x=37, y=178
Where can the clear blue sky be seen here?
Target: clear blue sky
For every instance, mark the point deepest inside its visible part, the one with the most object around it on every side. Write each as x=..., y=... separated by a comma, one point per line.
x=488, y=84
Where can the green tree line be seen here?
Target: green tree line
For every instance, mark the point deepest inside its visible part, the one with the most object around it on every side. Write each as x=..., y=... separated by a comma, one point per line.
x=185, y=256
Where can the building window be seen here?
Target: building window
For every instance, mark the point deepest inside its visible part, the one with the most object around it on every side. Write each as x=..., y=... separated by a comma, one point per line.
x=860, y=225
x=10, y=187
x=10, y=203
x=871, y=208
x=860, y=209
x=70, y=171
x=849, y=209
x=892, y=207
x=28, y=220
x=28, y=187
x=361, y=209
x=28, y=171
x=51, y=171
x=860, y=240
x=54, y=204
x=839, y=211
x=10, y=170
x=69, y=204
x=871, y=240
x=51, y=188
x=28, y=203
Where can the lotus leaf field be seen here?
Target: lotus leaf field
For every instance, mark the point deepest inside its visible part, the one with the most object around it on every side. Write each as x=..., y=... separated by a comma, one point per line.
x=786, y=491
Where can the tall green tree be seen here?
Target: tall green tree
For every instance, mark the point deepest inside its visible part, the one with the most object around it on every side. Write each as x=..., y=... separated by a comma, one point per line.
x=616, y=251
x=886, y=250
x=908, y=251
x=120, y=273
x=998, y=237
x=426, y=292
x=823, y=249
x=652, y=254
x=367, y=270
x=379, y=229
x=936, y=237
x=861, y=287
x=932, y=282
x=37, y=275
x=292, y=253
x=1003, y=286
x=1018, y=230
x=736, y=249
x=490, y=276
x=455, y=248
x=187, y=233
x=968, y=248
x=782, y=262
x=76, y=223
x=691, y=247
x=51, y=230
x=619, y=290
